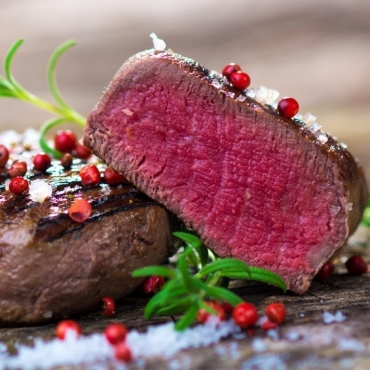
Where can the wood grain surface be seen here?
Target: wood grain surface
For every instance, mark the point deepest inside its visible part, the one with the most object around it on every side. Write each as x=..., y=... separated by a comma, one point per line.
x=304, y=341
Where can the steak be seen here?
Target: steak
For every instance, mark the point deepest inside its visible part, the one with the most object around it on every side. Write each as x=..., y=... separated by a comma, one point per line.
x=52, y=266
x=254, y=185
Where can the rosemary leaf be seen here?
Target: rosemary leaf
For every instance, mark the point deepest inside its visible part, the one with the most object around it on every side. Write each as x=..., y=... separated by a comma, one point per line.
x=192, y=284
x=179, y=307
x=154, y=270
x=187, y=319
x=8, y=62
x=51, y=72
x=154, y=304
x=220, y=264
x=257, y=274
x=194, y=242
x=222, y=294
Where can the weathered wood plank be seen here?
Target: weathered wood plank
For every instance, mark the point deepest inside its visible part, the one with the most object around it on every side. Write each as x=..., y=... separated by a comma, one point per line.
x=317, y=345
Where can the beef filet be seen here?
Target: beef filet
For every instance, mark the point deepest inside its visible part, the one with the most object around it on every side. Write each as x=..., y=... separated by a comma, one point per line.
x=253, y=184
x=51, y=266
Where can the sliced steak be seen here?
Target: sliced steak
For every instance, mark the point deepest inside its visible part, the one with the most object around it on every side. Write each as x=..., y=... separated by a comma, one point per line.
x=254, y=185
x=51, y=266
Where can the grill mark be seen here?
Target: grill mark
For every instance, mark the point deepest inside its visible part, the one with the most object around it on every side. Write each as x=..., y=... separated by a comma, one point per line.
x=62, y=225
x=51, y=225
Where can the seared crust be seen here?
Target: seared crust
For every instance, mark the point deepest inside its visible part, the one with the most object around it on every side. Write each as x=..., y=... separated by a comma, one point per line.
x=51, y=266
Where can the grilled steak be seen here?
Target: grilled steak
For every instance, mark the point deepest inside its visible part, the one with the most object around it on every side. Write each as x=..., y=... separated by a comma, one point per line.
x=51, y=266
x=253, y=184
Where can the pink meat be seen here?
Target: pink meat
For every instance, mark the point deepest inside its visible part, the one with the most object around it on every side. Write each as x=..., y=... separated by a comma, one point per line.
x=254, y=185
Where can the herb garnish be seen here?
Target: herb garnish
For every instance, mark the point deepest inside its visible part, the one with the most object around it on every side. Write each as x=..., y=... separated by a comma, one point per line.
x=185, y=293
x=10, y=88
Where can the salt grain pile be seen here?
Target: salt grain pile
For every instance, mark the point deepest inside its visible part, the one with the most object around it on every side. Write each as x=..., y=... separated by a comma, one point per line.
x=163, y=342
x=94, y=350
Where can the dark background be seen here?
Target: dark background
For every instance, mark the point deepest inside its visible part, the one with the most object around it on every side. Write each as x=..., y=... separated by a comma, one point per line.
x=316, y=51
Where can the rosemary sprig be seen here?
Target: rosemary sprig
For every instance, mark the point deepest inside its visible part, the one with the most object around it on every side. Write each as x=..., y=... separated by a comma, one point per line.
x=185, y=293
x=10, y=88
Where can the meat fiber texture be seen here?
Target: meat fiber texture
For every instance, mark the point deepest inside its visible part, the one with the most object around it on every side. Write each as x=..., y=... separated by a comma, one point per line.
x=52, y=266
x=254, y=185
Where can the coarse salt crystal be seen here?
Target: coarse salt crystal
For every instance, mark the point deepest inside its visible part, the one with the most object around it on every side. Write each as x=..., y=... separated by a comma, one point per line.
x=334, y=210
x=71, y=351
x=259, y=345
x=216, y=73
x=216, y=83
x=31, y=137
x=321, y=136
x=40, y=190
x=3, y=348
x=314, y=127
x=47, y=315
x=343, y=145
x=241, y=98
x=231, y=95
x=128, y=112
x=273, y=334
x=173, y=341
x=105, y=189
x=266, y=361
x=329, y=318
x=9, y=138
x=309, y=119
x=6, y=184
x=349, y=206
x=158, y=43
x=292, y=336
x=266, y=96
x=251, y=93
x=351, y=344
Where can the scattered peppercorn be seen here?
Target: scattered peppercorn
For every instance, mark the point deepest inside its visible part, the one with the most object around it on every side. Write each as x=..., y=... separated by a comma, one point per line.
x=276, y=312
x=356, y=265
x=204, y=315
x=240, y=80
x=325, y=271
x=82, y=152
x=66, y=160
x=227, y=307
x=65, y=141
x=288, y=107
x=153, y=284
x=112, y=177
x=122, y=352
x=109, y=307
x=18, y=168
x=90, y=175
x=80, y=210
x=41, y=162
x=230, y=69
x=4, y=155
x=245, y=315
x=65, y=326
x=268, y=325
x=115, y=333
x=19, y=185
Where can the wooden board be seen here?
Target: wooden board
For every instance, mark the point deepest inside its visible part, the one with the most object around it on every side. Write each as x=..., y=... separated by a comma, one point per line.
x=304, y=341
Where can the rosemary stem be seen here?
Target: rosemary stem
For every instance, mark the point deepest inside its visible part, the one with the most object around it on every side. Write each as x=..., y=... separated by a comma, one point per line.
x=67, y=114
